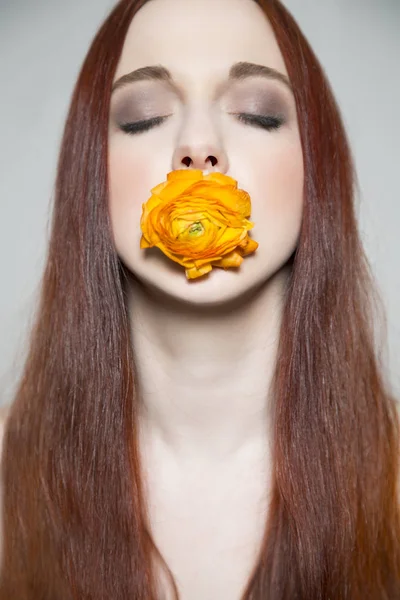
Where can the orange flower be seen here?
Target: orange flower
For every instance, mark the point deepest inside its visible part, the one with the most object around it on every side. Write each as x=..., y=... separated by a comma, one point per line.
x=198, y=221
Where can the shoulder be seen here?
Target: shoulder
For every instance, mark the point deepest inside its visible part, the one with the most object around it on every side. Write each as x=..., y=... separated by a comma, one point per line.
x=397, y=405
x=4, y=410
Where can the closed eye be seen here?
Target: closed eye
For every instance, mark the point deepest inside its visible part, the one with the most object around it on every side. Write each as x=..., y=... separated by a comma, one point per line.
x=264, y=121
x=140, y=126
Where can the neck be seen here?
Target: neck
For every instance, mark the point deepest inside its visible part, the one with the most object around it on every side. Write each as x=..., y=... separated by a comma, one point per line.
x=204, y=375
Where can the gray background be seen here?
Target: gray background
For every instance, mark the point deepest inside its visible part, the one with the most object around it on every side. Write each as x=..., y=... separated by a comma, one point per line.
x=42, y=46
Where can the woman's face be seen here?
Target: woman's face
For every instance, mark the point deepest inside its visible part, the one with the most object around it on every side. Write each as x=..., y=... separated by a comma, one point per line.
x=199, y=42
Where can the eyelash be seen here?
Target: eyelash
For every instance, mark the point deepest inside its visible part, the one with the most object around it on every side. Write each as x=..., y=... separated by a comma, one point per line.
x=265, y=122
x=139, y=126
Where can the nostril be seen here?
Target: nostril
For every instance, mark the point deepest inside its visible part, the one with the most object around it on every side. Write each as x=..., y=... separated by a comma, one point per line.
x=213, y=160
x=186, y=161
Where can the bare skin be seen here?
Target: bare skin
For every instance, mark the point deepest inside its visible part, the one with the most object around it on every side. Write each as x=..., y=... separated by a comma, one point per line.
x=206, y=349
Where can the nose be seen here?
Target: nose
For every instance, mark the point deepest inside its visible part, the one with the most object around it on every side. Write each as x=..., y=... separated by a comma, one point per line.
x=204, y=158
x=200, y=148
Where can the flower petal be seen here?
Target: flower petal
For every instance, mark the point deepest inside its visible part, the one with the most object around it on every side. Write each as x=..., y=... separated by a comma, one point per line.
x=198, y=221
x=234, y=259
x=193, y=272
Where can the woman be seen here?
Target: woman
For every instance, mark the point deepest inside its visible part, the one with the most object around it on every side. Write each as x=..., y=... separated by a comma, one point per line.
x=227, y=434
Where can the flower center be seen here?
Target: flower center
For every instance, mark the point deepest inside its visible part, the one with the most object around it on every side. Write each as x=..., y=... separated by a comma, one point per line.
x=196, y=229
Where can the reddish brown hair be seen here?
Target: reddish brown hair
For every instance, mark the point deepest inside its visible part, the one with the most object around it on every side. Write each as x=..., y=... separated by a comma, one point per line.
x=75, y=525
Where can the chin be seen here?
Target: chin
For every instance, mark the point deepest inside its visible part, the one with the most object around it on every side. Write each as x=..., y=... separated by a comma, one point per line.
x=161, y=277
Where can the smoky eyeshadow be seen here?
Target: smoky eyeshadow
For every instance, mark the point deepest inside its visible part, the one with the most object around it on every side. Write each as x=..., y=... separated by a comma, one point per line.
x=147, y=102
x=258, y=99
x=139, y=106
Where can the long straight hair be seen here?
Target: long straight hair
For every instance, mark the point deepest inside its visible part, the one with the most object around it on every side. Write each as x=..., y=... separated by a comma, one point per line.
x=74, y=514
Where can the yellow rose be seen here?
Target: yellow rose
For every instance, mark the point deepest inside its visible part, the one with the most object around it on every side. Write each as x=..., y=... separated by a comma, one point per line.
x=198, y=221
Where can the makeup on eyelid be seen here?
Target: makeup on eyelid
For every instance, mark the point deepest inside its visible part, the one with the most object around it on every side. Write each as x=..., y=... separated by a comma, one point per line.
x=139, y=105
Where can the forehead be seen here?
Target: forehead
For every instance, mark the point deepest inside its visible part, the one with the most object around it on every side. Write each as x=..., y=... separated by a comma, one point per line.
x=199, y=39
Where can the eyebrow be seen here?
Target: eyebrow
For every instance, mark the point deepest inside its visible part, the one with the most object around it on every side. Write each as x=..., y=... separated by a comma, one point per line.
x=238, y=72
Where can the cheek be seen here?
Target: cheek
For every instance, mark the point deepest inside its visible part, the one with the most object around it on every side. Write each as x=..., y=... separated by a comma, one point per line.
x=128, y=174
x=278, y=191
x=129, y=188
